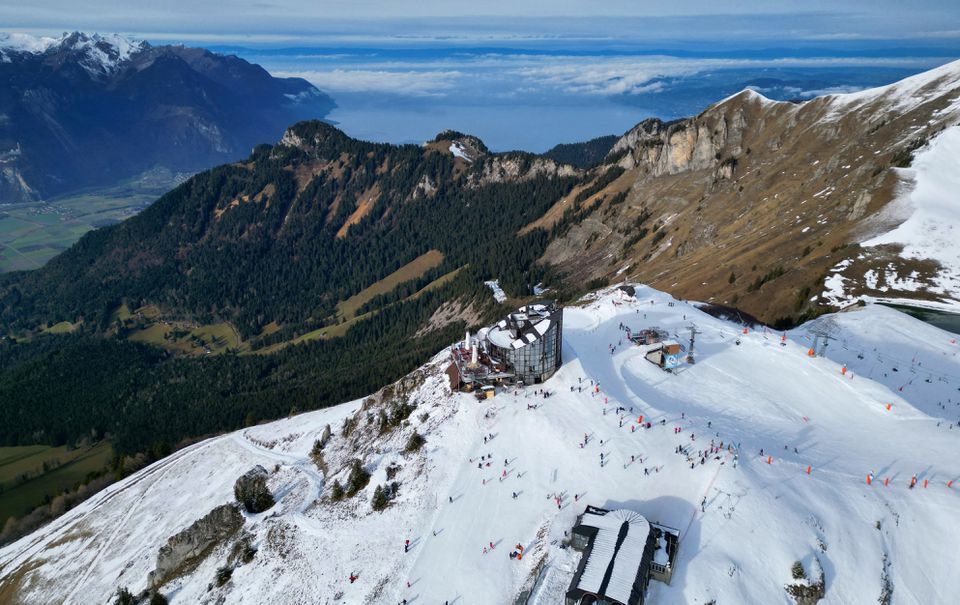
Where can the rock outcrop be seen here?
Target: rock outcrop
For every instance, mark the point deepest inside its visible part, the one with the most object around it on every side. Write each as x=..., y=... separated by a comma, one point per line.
x=187, y=549
x=252, y=492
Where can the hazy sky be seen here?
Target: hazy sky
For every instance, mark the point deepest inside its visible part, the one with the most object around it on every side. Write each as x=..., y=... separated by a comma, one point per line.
x=297, y=21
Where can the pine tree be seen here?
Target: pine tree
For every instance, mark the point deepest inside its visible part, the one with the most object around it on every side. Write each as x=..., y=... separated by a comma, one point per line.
x=380, y=500
x=336, y=491
x=157, y=598
x=124, y=597
x=415, y=442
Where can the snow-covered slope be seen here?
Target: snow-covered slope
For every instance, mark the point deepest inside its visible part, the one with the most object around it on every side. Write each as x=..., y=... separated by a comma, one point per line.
x=931, y=205
x=758, y=518
x=904, y=95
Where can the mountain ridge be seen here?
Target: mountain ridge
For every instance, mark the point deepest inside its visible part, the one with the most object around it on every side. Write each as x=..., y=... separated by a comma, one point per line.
x=797, y=181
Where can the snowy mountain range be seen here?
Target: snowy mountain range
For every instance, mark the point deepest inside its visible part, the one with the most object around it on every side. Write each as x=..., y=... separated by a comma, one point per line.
x=781, y=500
x=88, y=109
x=98, y=54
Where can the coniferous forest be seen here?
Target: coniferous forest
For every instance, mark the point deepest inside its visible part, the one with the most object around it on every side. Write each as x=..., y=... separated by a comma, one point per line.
x=262, y=242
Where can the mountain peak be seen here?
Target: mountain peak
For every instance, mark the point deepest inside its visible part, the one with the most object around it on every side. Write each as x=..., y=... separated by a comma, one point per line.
x=96, y=53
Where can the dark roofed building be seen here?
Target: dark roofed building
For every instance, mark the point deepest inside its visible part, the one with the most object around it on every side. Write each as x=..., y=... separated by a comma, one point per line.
x=620, y=551
x=529, y=341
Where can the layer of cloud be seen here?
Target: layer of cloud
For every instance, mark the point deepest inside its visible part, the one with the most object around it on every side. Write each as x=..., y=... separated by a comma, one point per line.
x=517, y=74
x=406, y=83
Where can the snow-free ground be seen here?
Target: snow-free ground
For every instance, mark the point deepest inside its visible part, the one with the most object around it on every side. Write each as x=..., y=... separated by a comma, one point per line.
x=757, y=519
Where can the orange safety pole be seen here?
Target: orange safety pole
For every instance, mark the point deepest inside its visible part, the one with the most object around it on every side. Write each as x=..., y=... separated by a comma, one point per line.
x=808, y=470
x=886, y=482
x=769, y=459
x=640, y=419
x=924, y=484
x=869, y=479
x=950, y=483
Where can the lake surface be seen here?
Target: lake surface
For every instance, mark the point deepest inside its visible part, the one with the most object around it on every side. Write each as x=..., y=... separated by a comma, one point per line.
x=941, y=319
x=533, y=98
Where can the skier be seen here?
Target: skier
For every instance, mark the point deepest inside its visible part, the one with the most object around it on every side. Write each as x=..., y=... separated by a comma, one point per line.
x=406, y=545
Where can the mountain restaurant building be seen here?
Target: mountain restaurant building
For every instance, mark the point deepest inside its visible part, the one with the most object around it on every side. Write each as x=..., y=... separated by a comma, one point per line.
x=529, y=342
x=622, y=552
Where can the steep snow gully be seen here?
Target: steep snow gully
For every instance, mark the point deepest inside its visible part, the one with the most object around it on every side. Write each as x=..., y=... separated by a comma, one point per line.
x=759, y=454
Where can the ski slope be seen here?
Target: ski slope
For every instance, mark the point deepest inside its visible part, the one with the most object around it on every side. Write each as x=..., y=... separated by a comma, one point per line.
x=757, y=519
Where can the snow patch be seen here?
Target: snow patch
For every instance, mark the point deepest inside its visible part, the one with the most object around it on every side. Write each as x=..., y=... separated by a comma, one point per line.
x=458, y=150
x=498, y=294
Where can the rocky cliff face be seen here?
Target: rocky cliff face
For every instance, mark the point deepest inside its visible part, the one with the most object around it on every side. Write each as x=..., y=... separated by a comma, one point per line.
x=186, y=549
x=754, y=202
x=509, y=167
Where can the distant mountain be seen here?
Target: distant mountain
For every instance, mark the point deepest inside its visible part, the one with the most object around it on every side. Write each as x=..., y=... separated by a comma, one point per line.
x=84, y=110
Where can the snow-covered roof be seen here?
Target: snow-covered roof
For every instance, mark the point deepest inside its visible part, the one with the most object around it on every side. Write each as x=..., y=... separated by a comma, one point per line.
x=616, y=552
x=524, y=326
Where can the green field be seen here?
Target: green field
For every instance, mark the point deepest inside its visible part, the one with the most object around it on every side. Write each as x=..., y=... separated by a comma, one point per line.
x=33, y=233
x=412, y=270
x=179, y=337
x=69, y=468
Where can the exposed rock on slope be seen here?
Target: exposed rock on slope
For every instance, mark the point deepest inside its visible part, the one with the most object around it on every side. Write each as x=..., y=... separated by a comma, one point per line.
x=252, y=492
x=184, y=551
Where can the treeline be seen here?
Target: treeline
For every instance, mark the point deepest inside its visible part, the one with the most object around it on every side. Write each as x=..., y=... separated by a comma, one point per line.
x=583, y=155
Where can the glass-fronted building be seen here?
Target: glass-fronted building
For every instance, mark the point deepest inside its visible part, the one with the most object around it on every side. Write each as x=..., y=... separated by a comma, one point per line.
x=529, y=341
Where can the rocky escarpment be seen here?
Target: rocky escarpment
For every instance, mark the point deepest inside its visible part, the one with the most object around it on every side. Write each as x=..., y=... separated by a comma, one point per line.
x=187, y=549
x=518, y=167
x=658, y=148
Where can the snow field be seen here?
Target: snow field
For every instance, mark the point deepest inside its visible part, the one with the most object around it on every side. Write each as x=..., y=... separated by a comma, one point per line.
x=757, y=519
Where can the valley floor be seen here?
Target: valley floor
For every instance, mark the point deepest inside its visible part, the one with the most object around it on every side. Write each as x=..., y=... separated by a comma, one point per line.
x=745, y=513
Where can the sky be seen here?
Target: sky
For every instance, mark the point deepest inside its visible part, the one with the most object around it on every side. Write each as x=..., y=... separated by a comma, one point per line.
x=528, y=74
x=305, y=21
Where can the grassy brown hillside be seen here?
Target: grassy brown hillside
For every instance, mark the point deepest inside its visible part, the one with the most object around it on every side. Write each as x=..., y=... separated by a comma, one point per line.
x=752, y=202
